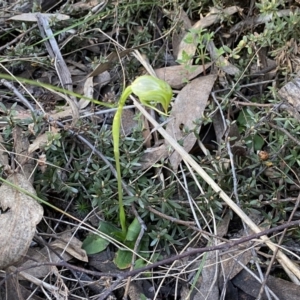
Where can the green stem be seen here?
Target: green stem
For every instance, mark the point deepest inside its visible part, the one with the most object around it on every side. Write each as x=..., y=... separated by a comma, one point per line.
x=116, y=140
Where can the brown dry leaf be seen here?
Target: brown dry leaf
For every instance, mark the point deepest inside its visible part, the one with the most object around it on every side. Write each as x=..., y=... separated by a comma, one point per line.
x=85, y=5
x=100, y=81
x=207, y=21
x=67, y=112
x=291, y=92
x=221, y=128
x=152, y=155
x=230, y=265
x=128, y=123
x=41, y=141
x=189, y=106
x=88, y=89
x=21, y=145
x=178, y=35
x=283, y=289
x=39, y=256
x=229, y=259
x=31, y=17
x=209, y=288
x=207, y=284
x=148, y=137
x=176, y=76
x=70, y=244
x=18, y=221
x=14, y=290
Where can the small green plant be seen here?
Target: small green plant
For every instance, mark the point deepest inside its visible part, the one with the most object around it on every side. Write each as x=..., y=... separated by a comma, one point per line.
x=269, y=6
x=246, y=121
x=199, y=37
x=151, y=91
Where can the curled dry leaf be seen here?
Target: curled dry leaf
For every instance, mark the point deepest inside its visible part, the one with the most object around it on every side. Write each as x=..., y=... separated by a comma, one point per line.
x=70, y=244
x=18, y=221
x=88, y=92
x=188, y=107
x=101, y=80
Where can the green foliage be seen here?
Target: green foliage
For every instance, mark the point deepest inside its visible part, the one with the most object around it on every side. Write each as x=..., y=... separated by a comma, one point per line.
x=199, y=37
x=95, y=243
x=151, y=91
x=246, y=121
x=269, y=6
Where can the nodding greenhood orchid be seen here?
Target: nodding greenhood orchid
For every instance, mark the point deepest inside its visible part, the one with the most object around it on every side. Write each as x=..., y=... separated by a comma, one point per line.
x=151, y=91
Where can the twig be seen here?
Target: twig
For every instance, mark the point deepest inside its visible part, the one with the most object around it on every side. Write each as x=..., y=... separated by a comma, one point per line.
x=62, y=70
x=253, y=104
x=172, y=219
x=18, y=94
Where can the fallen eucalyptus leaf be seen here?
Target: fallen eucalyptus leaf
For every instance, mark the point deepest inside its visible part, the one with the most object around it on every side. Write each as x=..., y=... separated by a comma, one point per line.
x=188, y=107
x=18, y=220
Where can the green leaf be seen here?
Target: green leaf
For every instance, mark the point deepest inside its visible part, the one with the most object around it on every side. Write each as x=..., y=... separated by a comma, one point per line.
x=94, y=244
x=133, y=230
x=256, y=142
x=139, y=263
x=119, y=235
x=227, y=49
x=123, y=259
x=108, y=228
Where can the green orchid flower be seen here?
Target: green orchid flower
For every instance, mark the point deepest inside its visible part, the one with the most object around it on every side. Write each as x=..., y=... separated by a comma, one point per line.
x=150, y=91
